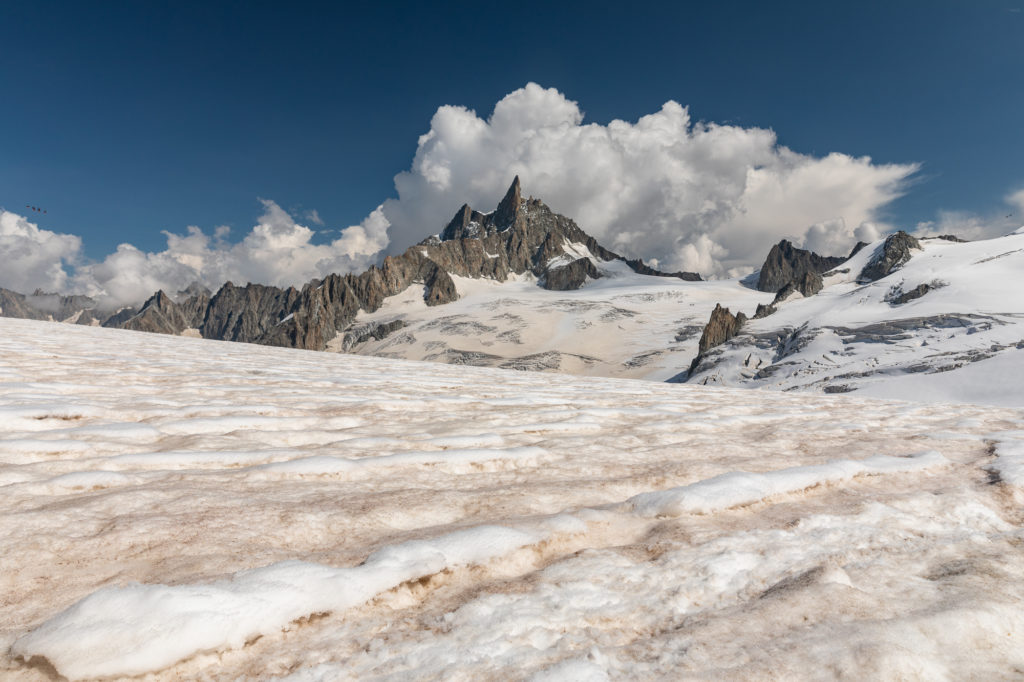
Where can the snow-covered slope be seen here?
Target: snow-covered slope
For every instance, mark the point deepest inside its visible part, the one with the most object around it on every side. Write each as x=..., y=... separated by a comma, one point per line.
x=962, y=339
x=195, y=509
x=621, y=325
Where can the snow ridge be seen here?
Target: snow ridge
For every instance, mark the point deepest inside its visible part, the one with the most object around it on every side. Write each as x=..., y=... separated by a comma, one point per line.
x=141, y=628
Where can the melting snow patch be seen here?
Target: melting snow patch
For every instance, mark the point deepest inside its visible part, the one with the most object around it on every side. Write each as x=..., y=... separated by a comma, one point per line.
x=739, y=488
x=141, y=628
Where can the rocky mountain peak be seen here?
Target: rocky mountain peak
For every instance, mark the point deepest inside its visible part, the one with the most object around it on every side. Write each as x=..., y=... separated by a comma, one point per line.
x=890, y=256
x=786, y=263
x=509, y=208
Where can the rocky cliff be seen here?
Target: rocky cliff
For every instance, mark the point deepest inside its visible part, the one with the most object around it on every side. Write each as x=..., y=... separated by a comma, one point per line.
x=786, y=263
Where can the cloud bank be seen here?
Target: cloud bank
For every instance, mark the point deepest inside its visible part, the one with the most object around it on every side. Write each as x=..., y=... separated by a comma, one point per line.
x=682, y=194
x=276, y=251
x=690, y=195
x=33, y=258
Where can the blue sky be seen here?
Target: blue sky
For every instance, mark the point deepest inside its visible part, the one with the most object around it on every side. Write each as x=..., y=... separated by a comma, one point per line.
x=125, y=119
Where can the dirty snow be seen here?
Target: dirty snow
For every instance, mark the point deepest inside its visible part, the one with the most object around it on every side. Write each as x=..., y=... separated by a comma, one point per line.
x=180, y=509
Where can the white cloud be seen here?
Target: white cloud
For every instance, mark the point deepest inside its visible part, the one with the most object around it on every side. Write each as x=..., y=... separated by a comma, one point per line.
x=276, y=251
x=694, y=196
x=975, y=226
x=34, y=258
x=313, y=216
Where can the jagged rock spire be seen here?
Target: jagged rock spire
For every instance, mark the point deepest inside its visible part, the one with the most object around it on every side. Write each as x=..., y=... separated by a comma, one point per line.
x=456, y=228
x=508, y=209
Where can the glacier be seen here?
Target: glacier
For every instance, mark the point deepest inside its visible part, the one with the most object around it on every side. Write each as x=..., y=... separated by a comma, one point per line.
x=180, y=508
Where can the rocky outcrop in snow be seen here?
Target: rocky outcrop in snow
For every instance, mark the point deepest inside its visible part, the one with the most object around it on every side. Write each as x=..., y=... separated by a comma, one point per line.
x=786, y=263
x=722, y=326
x=571, y=276
x=890, y=256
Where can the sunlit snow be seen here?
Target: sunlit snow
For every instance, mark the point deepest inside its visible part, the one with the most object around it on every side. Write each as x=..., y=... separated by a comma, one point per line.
x=200, y=509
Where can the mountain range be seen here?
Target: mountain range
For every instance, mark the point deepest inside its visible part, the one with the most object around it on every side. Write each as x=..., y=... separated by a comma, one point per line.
x=522, y=287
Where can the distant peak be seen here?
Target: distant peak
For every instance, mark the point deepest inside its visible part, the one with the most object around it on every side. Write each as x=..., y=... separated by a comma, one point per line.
x=508, y=209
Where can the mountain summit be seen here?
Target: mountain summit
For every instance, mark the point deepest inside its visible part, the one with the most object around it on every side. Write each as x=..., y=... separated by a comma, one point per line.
x=520, y=236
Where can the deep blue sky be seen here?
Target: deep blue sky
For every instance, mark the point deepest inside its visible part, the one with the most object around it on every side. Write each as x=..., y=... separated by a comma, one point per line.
x=122, y=119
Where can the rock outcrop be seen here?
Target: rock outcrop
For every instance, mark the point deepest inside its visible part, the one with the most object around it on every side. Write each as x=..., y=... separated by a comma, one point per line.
x=786, y=263
x=722, y=326
x=570, y=276
x=807, y=284
x=890, y=256
x=162, y=315
x=897, y=296
x=440, y=288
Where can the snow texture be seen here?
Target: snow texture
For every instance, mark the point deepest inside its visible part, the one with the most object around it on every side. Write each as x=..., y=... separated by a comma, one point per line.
x=177, y=508
x=961, y=341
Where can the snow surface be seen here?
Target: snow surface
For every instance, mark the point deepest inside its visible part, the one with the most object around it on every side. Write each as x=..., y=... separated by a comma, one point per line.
x=963, y=341
x=622, y=325
x=181, y=509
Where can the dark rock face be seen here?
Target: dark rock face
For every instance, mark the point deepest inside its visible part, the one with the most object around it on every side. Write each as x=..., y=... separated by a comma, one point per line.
x=120, y=317
x=898, y=297
x=722, y=326
x=889, y=257
x=440, y=288
x=640, y=268
x=764, y=311
x=786, y=263
x=571, y=276
x=162, y=315
x=808, y=284
x=376, y=331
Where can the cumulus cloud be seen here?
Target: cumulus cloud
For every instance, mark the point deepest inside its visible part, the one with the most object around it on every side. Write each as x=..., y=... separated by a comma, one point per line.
x=691, y=195
x=977, y=226
x=276, y=251
x=34, y=258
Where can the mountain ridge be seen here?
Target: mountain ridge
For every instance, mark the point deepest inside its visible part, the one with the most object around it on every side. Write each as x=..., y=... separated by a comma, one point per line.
x=520, y=236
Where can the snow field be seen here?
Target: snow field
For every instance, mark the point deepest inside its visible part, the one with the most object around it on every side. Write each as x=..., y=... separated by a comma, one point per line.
x=200, y=509
x=962, y=341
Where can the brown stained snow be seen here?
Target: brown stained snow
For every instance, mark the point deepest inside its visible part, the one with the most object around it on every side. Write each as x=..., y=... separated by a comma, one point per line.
x=127, y=458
